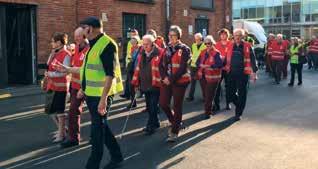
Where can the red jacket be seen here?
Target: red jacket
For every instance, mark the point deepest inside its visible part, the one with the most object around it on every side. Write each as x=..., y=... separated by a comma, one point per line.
x=223, y=49
x=313, y=46
x=278, y=51
x=57, y=83
x=156, y=80
x=212, y=75
x=247, y=58
x=77, y=61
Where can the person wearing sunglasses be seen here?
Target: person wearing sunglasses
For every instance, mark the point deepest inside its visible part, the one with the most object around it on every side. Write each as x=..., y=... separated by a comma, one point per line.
x=209, y=66
x=175, y=77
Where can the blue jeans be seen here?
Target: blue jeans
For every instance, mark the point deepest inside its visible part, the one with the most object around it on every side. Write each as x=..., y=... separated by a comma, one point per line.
x=152, y=104
x=100, y=135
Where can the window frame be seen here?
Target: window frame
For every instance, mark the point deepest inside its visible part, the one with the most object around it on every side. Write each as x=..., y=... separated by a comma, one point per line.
x=212, y=9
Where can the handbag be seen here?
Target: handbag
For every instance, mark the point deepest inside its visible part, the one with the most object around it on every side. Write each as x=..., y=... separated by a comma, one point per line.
x=44, y=83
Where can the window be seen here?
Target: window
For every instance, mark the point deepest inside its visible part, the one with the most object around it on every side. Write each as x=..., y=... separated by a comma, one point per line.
x=296, y=12
x=286, y=12
x=202, y=4
x=252, y=13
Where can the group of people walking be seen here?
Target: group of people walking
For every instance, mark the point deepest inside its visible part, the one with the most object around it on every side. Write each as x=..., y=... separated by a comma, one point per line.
x=161, y=72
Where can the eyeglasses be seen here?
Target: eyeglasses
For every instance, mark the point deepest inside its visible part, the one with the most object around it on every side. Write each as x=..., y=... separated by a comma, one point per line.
x=208, y=43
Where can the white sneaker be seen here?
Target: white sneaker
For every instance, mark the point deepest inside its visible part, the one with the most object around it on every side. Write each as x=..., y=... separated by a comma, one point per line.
x=170, y=132
x=58, y=139
x=172, y=138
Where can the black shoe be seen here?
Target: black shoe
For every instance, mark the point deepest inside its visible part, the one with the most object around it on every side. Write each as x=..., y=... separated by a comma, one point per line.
x=68, y=143
x=207, y=116
x=149, y=131
x=124, y=96
x=300, y=83
x=228, y=107
x=216, y=108
x=189, y=99
x=114, y=164
x=290, y=84
x=237, y=118
x=276, y=83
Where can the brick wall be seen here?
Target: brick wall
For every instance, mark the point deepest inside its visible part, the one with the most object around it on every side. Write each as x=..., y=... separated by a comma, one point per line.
x=217, y=17
x=64, y=15
x=52, y=16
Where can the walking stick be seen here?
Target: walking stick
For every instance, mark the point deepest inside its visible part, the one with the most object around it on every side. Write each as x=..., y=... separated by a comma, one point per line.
x=127, y=118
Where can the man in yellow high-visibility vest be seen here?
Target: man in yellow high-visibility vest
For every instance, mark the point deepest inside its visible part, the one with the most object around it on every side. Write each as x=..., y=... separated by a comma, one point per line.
x=101, y=79
x=196, y=49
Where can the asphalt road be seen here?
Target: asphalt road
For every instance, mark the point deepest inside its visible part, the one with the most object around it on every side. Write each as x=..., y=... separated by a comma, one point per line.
x=279, y=130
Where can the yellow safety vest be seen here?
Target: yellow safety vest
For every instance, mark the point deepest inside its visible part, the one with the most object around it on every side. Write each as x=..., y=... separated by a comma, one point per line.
x=196, y=53
x=294, y=56
x=94, y=71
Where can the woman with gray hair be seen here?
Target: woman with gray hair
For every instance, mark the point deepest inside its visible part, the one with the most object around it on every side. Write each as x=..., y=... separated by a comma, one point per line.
x=209, y=66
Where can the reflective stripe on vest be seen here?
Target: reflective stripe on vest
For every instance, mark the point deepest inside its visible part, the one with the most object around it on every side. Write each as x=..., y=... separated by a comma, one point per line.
x=94, y=71
x=156, y=79
x=314, y=47
x=211, y=74
x=294, y=56
x=58, y=83
x=247, y=58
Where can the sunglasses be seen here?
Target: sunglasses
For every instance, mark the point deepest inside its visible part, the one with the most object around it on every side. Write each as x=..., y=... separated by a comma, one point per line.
x=208, y=43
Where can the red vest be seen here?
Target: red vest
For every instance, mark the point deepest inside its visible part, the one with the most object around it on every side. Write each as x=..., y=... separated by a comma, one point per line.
x=314, y=46
x=57, y=83
x=211, y=75
x=156, y=80
x=247, y=58
x=175, y=63
x=223, y=49
x=278, y=51
x=77, y=61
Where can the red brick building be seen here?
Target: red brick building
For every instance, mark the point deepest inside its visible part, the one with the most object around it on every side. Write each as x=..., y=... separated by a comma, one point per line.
x=26, y=26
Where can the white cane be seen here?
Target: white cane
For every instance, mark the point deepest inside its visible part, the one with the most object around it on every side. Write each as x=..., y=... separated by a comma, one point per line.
x=127, y=118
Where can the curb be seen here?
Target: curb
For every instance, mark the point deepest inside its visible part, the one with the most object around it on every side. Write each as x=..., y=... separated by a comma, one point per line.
x=10, y=93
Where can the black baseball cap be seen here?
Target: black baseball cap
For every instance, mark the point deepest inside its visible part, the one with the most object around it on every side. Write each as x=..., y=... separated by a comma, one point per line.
x=92, y=21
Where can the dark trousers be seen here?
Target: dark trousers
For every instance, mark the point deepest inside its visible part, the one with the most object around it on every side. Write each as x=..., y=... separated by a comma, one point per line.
x=127, y=91
x=208, y=91
x=100, y=135
x=285, y=67
x=312, y=60
x=268, y=64
x=219, y=90
x=314, y=57
x=294, y=68
x=238, y=91
x=152, y=104
x=175, y=115
x=193, y=82
x=277, y=69
x=74, y=118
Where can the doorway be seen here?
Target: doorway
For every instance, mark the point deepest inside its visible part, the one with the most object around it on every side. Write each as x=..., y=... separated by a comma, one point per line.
x=132, y=21
x=17, y=45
